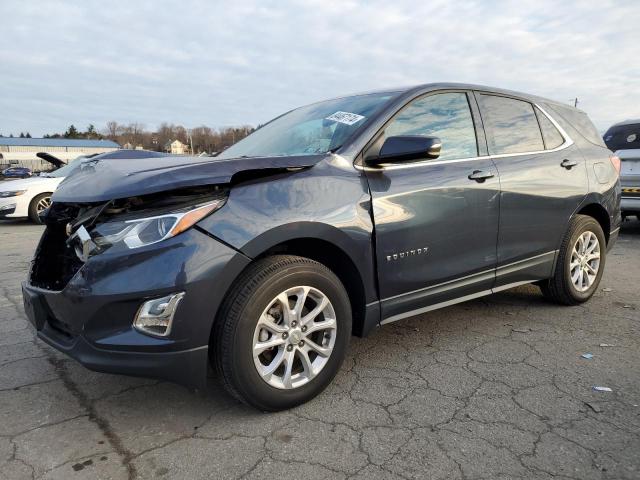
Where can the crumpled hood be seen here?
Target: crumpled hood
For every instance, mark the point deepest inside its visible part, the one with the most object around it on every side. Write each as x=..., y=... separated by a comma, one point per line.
x=103, y=180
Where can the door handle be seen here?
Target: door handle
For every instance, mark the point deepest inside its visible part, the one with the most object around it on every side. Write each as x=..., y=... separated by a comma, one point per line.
x=568, y=164
x=480, y=176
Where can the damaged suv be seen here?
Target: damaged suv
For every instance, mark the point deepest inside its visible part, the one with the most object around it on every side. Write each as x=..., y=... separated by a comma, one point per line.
x=328, y=221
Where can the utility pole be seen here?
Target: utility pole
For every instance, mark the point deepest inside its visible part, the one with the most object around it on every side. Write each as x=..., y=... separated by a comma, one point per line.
x=191, y=141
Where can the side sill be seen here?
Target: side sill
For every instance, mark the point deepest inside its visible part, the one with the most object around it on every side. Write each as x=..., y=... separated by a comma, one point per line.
x=454, y=301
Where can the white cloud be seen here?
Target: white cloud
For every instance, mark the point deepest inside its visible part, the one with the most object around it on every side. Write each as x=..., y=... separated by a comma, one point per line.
x=245, y=62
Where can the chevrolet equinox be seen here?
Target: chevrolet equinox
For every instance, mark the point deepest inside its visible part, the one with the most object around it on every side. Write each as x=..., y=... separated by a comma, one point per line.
x=328, y=221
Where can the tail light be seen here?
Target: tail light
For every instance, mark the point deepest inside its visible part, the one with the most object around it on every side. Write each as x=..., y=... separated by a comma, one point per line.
x=615, y=161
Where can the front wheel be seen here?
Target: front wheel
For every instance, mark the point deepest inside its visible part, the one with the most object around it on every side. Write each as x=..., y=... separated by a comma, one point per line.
x=38, y=205
x=580, y=263
x=282, y=333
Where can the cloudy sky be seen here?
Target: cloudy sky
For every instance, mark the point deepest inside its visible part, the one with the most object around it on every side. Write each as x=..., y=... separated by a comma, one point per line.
x=243, y=62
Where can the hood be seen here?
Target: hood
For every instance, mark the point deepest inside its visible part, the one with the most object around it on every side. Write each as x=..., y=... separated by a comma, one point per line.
x=100, y=180
x=27, y=183
x=55, y=161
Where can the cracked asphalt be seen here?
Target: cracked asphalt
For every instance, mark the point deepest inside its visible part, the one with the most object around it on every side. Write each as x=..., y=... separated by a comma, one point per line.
x=490, y=389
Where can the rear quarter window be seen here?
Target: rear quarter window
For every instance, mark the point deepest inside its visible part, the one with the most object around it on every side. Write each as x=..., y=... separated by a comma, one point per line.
x=581, y=122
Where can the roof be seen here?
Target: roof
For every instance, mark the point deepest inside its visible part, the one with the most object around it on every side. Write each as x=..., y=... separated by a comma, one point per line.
x=56, y=142
x=627, y=122
x=425, y=87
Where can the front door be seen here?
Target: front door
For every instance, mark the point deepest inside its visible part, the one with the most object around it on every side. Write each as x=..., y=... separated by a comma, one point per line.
x=435, y=227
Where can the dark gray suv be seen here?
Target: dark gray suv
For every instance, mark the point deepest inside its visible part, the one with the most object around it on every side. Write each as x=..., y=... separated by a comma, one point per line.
x=331, y=220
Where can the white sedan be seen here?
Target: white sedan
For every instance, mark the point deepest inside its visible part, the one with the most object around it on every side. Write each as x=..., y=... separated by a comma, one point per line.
x=30, y=196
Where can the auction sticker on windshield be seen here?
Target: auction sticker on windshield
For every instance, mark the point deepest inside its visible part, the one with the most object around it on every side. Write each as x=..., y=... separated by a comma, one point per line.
x=345, y=117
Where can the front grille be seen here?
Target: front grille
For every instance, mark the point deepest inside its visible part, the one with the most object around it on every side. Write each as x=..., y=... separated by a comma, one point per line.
x=55, y=262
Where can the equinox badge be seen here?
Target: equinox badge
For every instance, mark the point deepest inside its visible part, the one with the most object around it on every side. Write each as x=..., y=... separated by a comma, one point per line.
x=407, y=253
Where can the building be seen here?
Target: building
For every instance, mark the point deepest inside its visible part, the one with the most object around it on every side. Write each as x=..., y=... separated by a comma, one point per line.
x=22, y=151
x=176, y=147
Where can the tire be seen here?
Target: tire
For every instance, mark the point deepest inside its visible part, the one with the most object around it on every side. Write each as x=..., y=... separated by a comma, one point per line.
x=236, y=332
x=561, y=288
x=34, y=206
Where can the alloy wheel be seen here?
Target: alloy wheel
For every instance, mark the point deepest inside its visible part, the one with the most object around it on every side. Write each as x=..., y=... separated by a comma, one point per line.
x=585, y=261
x=43, y=204
x=294, y=337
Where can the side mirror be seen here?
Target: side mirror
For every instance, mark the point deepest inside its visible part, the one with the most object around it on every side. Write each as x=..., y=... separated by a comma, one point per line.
x=405, y=148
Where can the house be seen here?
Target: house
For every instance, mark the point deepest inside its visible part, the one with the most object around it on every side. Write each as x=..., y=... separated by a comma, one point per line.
x=176, y=147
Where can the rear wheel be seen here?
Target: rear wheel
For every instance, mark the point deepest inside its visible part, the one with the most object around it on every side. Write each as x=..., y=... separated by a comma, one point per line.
x=38, y=205
x=580, y=263
x=282, y=333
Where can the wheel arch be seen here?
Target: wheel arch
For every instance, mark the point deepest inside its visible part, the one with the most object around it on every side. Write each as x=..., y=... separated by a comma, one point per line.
x=599, y=213
x=350, y=259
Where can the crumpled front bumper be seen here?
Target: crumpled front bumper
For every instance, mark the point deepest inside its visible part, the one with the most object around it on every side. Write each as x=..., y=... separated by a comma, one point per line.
x=91, y=318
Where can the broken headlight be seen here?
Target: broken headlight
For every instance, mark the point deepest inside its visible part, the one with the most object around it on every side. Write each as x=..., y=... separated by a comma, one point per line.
x=138, y=232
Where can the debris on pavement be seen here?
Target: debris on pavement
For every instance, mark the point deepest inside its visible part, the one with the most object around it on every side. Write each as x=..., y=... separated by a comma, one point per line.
x=588, y=356
x=601, y=389
x=607, y=289
x=521, y=330
x=607, y=345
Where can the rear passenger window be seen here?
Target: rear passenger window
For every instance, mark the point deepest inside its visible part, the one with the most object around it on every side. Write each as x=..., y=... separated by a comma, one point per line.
x=443, y=115
x=551, y=135
x=510, y=125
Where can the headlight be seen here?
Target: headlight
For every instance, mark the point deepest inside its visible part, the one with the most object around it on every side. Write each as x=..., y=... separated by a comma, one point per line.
x=13, y=193
x=139, y=232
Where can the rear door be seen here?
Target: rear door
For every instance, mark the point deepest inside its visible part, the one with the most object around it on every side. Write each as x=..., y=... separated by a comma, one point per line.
x=543, y=180
x=435, y=227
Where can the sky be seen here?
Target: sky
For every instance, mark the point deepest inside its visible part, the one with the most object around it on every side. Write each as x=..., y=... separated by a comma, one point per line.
x=243, y=62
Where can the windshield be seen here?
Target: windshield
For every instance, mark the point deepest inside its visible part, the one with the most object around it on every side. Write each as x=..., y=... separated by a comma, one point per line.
x=66, y=170
x=310, y=130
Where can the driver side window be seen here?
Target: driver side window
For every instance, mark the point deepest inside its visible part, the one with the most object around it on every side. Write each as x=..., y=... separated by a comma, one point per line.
x=443, y=115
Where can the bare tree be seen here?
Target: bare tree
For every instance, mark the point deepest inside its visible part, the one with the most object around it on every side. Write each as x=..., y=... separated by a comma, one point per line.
x=205, y=139
x=112, y=130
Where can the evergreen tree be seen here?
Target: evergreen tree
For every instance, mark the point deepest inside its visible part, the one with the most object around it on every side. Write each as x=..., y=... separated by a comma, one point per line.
x=72, y=132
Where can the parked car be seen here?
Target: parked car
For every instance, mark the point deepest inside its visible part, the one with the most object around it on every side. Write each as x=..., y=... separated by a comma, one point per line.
x=31, y=196
x=330, y=220
x=623, y=136
x=16, y=172
x=630, y=179
x=624, y=139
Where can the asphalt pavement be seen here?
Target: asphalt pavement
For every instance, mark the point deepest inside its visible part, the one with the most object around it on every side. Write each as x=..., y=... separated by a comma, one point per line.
x=495, y=388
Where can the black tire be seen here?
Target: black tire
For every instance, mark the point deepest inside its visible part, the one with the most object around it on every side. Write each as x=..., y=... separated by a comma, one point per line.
x=233, y=334
x=33, y=207
x=560, y=288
